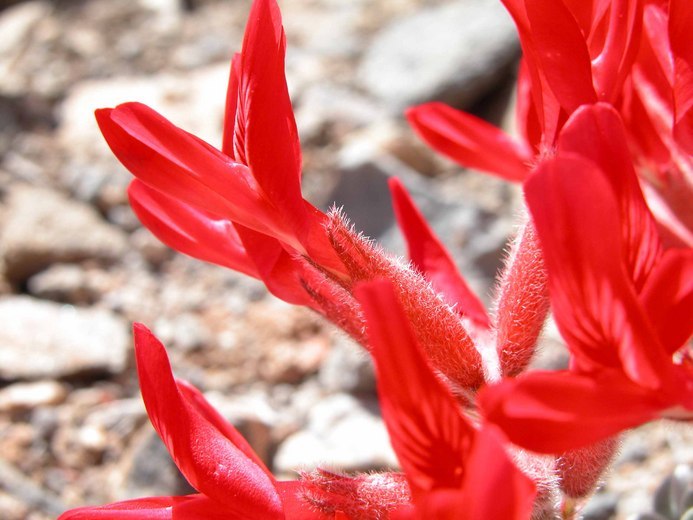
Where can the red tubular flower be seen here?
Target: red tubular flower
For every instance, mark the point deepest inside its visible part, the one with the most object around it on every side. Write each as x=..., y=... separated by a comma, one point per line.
x=241, y=207
x=618, y=300
x=233, y=482
x=634, y=55
x=454, y=470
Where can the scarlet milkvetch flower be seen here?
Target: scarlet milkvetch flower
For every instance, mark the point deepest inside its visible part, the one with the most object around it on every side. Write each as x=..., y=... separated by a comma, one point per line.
x=212, y=455
x=454, y=469
x=632, y=54
x=451, y=469
x=241, y=206
x=622, y=303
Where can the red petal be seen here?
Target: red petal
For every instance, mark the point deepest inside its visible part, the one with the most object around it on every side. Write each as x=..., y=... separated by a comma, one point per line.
x=191, y=507
x=233, y=142
x=577, y=218
x=429, y=255
x=264, y=117
x=184, y=167
x=620, y=49
x=668, y=298
x=488, y=470
x=207, y=458
x=278, y=269
x=427, y=429
x=561, y=53
x=200, y=403
x=596, y=132
x=189, y=230
x=680, y=27
x=554, y=412
x=470, y=141
x=295, y=508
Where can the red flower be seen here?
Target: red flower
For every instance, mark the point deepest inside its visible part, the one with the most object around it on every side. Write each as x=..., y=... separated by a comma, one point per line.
x=634, y=55
x=454, y=469
x=622, y=304
x=241, y=207
x=217, y=461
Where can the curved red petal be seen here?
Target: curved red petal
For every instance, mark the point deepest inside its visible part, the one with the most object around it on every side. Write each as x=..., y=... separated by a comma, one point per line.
x=614, y=61
x=233, y=139
x=561, y=52
x=295, y=508
x=668, y=298
x=427, y=429
x=198, y=401
x=264, y=117
x=554, y=412
x=280, y=270
x=470, y=141
x=680, y=27
x=190, y=230
x=207, y=458
x=430, y=256
x=596, y=132
x=184, y=167
x=190, y=507
x=594, y=301
x=489, y=469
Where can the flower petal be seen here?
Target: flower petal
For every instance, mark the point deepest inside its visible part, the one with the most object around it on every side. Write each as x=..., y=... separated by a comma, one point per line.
x=562, y=53
x=190, y=507
x=295, y=508
x=557, y=411
x=427, y=430
x=428, y=254
x=489, y=469
x=264, y=117
x=594, y=302
x=186, y=168
x=616, y=57
x=668, y=298
x=680, y=27
x=596, y=132
x=470, y=141
x=278, y=269
x=190, y=230
x=205, y=455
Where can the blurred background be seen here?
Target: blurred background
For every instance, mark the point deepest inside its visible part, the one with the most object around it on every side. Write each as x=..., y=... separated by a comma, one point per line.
x=76, y=268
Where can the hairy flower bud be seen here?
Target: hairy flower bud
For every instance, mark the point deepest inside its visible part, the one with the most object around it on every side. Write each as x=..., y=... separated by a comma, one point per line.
x=522, y=302
x=438, y=328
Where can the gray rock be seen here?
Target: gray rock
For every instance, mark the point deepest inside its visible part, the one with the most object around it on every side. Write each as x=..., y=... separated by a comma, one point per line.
x=149, y=469
x=46, y=340
x=452, y=53
x=361, y=184
x=602, y=506
x=43, y=228
x=347, y=368
x=342, y=433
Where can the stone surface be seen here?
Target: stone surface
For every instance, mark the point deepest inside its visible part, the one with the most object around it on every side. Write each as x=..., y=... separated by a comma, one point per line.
x=341, y=433
x=347, y=368
x=43, y=228
x=46, y=340
x=452, y=52
x=149, y=469
x=27, y=396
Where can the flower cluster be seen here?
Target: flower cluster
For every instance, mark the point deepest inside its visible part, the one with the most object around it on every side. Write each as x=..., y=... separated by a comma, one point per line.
x=605, y=105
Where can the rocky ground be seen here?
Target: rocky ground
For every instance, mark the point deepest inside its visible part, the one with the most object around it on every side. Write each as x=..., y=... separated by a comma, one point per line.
x=76, y=268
